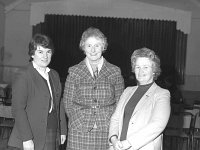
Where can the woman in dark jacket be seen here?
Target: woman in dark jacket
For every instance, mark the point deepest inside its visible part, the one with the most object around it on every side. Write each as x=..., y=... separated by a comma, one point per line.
x=38, y=112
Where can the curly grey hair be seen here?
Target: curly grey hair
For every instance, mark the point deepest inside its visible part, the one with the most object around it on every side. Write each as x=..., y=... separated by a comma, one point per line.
x=148, y=53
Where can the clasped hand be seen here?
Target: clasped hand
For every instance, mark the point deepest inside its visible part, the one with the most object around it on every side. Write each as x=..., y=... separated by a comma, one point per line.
x=121, y=145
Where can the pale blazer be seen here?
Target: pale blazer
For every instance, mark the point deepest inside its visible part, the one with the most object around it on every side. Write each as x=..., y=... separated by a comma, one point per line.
x=148, y=120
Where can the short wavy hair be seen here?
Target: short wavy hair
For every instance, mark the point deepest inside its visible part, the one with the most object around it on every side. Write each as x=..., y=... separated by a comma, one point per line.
x=93, y=32
x=147, y=53
x=39, y=40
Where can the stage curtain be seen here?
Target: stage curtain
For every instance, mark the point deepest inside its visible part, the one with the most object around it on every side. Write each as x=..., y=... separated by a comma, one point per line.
x=124, y=35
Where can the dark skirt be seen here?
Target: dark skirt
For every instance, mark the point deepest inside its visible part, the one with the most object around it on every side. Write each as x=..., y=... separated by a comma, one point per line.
x=50, y=143
x=93, y=140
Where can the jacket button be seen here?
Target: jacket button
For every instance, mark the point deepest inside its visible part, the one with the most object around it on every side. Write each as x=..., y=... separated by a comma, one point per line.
x=95, y=87
x=95, y=100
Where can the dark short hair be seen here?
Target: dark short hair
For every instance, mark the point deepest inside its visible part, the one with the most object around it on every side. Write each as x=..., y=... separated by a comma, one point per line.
x=93, y=32
x=39, y=40
x=148, y=53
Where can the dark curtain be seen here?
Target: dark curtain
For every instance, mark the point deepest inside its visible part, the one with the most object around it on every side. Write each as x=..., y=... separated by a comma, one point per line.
x=124, y=35
x=181, y=48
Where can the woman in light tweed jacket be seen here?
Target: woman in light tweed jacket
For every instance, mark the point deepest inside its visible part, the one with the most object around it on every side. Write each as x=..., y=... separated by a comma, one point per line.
x=92, y=89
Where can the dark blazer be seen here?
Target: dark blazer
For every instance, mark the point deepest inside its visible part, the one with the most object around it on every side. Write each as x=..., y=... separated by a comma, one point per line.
x=30, y=106
x=82, y=92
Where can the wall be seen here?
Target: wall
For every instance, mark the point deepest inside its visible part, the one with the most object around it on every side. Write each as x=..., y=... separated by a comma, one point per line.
x=17, y=35
x=18, y=32
x=2, y=29
x=192, y=71
x=2, y=24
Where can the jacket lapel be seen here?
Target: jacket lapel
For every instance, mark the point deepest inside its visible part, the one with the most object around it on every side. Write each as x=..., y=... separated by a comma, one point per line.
x=39, y=81
x=104, y=72
x=55, y=87
x=129, y=95
x=84, y=71
x=53, y=84
x=145, y=98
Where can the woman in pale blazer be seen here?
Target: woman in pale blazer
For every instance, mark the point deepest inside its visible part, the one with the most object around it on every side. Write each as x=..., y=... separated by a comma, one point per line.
x=143, y=110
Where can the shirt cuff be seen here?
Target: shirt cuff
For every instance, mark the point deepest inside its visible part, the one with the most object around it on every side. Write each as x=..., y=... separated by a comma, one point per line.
x=112, y=136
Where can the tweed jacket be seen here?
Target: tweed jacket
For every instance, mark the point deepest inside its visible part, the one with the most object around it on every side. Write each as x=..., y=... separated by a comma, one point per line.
x=148, y=120
x=82, y=92
x=30, y=106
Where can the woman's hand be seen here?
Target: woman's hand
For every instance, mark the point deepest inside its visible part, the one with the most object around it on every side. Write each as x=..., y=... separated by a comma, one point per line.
x=28, y=145
x=125, y=145
x=62, y=139
x=116, y=143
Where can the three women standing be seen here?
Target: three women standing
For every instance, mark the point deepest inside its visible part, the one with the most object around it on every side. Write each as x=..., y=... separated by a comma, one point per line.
x=92, y=90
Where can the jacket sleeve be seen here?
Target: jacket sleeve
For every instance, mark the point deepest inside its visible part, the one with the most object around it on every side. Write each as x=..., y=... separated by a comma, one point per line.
x=119, y=86
x=63, y=124
x=156, y=124
x=62, y=119
x=69, y=94
x=19, y=103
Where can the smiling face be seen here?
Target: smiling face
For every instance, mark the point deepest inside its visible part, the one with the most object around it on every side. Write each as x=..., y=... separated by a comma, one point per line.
x=42, y=56
x=93, y=49
x=144, y=70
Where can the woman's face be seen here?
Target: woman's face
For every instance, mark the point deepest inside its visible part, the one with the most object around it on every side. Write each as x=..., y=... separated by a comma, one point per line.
x=42, y=56
x=93, y=48
x=144, y=70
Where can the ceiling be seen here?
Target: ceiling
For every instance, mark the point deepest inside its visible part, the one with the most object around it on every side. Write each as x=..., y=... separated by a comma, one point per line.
x=11, y=2
x=7, y=2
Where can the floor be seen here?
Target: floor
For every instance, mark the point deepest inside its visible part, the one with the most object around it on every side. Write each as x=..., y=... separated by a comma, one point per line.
x=3, y=145
x=3, y=142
